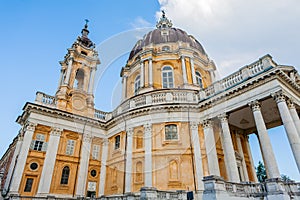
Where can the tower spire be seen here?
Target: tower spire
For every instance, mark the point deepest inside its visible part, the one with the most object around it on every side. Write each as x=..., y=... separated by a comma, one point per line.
x=164, y=22
x=84, y=40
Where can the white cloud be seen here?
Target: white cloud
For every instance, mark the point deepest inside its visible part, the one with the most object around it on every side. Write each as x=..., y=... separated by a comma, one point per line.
x=140, y=22
x=235, y=33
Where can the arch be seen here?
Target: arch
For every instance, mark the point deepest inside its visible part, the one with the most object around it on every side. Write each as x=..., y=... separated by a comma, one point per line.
x=139, y=171
x=171, y=132
x=137, y=84
x=167, y=77
x=65, y=175
x=173, y=170
x=79, y=79
x=199, y=79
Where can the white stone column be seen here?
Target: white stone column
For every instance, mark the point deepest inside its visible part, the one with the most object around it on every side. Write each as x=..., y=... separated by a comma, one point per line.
x=49, y=162
x=229, y=155
x=210, y=146
x=251, y=161
x=148, y=154
x=14, y=160
x=265, y=143
x=150, y=72
x=128, y=171
x=60, y=78
x=197, y=155
x=241, y=152
x=289, y=126
x=92, y=79
x=124, y=87
x=142, y=74
x=294, y=115
x=22, y=157
x=70, y=62
x=193, y=71
x=103, y=167
x=183, y=70
x=83, y=165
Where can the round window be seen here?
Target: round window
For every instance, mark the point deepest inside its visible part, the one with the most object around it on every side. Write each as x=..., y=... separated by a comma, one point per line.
x=93, y=173
x=33, y=166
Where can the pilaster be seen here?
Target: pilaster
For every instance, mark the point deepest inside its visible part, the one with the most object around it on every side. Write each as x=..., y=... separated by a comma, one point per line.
x=22, y=157
x=197, y=155
x=148, y=154
x=49, y=163
x=128, y=172
x=83, y=167
x=103, y=167
x=210, y=145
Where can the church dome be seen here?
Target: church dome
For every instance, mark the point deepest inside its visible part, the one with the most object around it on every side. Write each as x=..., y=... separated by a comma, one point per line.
x=165, y=33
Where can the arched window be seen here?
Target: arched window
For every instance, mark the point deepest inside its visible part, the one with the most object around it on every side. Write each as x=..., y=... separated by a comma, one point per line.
x=167, y=77
x=199, y=79
x=171, y=132
x=139, y=172
x=79, y=79
x=137, y=84
x=65, y=175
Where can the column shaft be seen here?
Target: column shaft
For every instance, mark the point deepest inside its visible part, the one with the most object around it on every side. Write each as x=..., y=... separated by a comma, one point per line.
x=183, y=70
x=103, y=167
x=241, y=152
x=193, y=71
x=266, y=147
x=148, y=155
x=210, y=145
x=251, y=162
x=230, y=160
x=21, y=160
x=197, y=154
x=142, y=74
x=295, y=116
x=49, y=163
x=124, y=88
x=150, y=73
x=70, y=62
x=289, y=127
x=83, y=167
x=92, y=79
x=128, y=171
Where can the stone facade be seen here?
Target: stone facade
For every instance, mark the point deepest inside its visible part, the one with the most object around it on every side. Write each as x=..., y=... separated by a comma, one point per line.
x=176, y=129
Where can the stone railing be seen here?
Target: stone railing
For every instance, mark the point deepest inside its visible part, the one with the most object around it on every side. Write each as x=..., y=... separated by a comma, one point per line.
x=246, y=189
x=45, y=99
x=101, y=115
x=156, y=98
x=234, y=79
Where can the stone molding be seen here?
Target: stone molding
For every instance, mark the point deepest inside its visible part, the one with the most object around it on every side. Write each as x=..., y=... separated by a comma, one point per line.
x=87, y=138
x=56, y=131
x=194, y=125
x=30, y=126
x=130, y=132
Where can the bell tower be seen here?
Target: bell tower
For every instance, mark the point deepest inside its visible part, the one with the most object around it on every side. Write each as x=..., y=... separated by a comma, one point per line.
x=75, y=92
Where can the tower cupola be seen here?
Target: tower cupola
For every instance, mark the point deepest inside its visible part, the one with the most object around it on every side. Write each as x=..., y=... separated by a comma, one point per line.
x=78, y=69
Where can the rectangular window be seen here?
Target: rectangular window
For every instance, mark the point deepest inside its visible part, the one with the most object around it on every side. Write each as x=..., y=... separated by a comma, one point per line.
x=38, y=143
x=28, y=185
x=171, y=132
x=95, y=153
x=70, y=147
x=117, y=142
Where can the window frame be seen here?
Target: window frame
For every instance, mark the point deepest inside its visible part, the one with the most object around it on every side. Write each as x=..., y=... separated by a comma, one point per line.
x=28, y=184
x=172, y=138
x=95, y=152
x=199, y=80
x=137, y=84
x=70, y=147
x=167, y=76
x=65, y=175
x=117, y=142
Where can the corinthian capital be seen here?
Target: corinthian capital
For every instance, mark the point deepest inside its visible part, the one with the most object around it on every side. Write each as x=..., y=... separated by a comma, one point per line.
x=56, y=131
x=279, y=97
x=194, y=125
x=255, y=105
x=223, y=118
x=30, y=126
x=207, y=123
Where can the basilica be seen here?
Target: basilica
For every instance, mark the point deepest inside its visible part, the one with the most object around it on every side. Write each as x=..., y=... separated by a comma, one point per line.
x=178, y=133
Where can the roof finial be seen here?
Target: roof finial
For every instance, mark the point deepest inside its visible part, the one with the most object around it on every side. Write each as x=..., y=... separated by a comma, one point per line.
x=86, y=23
x=164, y=22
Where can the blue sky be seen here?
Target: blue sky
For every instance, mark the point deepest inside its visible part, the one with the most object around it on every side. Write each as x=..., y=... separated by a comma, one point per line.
x=35, y=36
